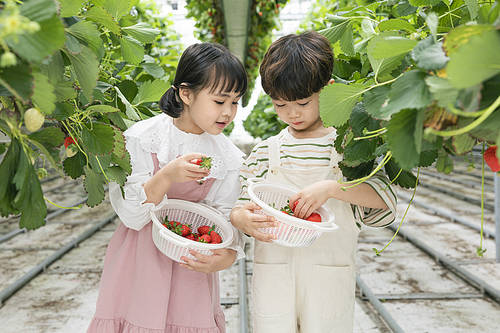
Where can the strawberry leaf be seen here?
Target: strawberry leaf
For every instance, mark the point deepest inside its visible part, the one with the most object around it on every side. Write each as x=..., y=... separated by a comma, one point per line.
x=93, y=185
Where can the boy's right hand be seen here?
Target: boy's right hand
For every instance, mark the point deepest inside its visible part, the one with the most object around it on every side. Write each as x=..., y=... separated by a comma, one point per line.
x=248, y=221
x=183, y=169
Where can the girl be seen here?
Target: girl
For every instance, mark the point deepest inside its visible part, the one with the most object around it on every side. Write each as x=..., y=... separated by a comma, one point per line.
x=141, y=289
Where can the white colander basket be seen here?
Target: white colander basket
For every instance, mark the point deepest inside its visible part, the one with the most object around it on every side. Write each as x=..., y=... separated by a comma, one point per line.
x=175, y=246
x=291, y=231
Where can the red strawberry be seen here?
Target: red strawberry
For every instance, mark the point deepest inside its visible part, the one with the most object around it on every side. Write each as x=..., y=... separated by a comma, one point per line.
x=205, y=239
x=182, y=229
x=216, y=238
x=68, y=141
x=204, y=162
x=191, y=237
x=204, y=230
x=491, y=159
x=314, y=217
x=294, y=205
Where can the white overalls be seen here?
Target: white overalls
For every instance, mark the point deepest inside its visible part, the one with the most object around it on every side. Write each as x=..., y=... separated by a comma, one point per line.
x=312, y=289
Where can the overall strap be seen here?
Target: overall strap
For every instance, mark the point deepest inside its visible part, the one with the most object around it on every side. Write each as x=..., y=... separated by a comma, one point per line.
x=274, y=152
x=156, y=163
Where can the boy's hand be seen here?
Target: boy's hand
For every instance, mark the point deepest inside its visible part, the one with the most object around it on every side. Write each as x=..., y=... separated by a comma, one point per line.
x=220, y=260
x=248, y=221
x=311, y=198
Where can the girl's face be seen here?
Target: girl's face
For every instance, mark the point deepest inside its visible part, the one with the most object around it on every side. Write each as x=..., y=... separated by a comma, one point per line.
x=301, y=115
x=207, y=111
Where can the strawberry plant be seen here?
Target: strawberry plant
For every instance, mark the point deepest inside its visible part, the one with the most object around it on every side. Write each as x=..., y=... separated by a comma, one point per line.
x=75, y=74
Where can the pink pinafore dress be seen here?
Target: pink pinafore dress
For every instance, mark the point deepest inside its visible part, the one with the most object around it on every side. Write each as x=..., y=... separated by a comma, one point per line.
x=144, y=291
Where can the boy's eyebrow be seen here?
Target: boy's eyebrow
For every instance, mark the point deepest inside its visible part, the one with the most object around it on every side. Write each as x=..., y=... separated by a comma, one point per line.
x=222, y=95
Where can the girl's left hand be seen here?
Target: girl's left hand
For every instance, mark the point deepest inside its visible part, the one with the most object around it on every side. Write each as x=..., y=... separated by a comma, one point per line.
x=311, y=198
x=220, y=260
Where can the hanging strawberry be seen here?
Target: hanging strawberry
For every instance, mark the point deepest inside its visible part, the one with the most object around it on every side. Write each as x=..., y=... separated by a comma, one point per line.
x=69, y=144
x=491, y=159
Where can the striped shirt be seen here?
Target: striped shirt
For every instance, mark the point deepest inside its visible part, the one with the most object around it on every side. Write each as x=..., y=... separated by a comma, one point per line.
x=316, y=152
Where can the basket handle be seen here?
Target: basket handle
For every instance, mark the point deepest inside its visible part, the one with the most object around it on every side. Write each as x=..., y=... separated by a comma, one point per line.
x=254, y=180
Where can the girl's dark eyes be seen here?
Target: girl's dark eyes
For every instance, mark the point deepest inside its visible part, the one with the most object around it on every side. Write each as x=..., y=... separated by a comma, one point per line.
x=219, y=102
x=302, y=104
x=280, y=105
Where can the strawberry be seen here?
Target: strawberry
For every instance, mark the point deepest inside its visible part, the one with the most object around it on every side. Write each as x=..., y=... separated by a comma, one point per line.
x=491, y=159
x=33, y=119
x=314, y=217
x=205, y=230
x=205, y=238
x=68, y=141
x=294, y=205
x=204, y=162
x=215, y=237
x=191, y=237
x=185, y=230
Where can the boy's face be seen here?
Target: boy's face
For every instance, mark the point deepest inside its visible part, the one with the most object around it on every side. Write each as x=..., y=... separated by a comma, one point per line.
x=301, y=115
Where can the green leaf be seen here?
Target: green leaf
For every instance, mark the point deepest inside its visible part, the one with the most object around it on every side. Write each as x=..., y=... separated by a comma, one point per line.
x=358, y=152
x=383, y=67
x=117, y=8
x=336, y=32
x=101, y=16
x=419, y=131
x=87, y=32
x=70, y=7
x=64, y=90
x=98, y=139
x=34, y=47
x=429, y=55
x=427, y=157
x=444, y=163
x=373, y=101
x=43, y=94
x=407, y=92
x=441, y=90
x=396, y=24
x=473, y=8
x=142, y=32
x=62, y=111
x=117, y=175
x=401, y=138
x=8, y=167
x=132, y=50
x=129, y=109
x=73, y=166
x=461, y=35
x=361, y=170
x=424, y=3
x=404, y=179
x=475, y=61
x=154, y=70
x=93, y=185
x=29, y=198
x=337, y=101
x=346, y=42
x=17, y=80
x=39, y=10
x=432, y=21
x=382, y=47
x=463, y=143
x=48, y=136
x=150, y=91
x=86, y=68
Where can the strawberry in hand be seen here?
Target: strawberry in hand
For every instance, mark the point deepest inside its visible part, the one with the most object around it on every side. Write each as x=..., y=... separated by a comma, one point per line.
x=204, y=162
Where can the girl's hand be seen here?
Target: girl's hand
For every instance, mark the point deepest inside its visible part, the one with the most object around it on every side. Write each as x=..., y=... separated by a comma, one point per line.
x=311, y=198
x=220, y=260
x=245, y=219
x=183, y=169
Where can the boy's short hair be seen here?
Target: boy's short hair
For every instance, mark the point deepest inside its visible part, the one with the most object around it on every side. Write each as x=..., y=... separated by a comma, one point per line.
x=297, y=66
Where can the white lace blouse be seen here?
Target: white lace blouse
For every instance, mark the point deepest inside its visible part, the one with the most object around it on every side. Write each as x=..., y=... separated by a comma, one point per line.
x=159, y=135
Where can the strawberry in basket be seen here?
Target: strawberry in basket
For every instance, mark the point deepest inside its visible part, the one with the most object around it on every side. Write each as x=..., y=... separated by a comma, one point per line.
x=314, y=217
x=213, y=236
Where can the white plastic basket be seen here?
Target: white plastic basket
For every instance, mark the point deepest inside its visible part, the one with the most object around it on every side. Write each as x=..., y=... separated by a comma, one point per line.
x=291, y=231
x=175, y=246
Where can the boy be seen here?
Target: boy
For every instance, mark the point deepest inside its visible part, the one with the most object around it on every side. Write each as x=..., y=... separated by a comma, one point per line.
x=308, y=289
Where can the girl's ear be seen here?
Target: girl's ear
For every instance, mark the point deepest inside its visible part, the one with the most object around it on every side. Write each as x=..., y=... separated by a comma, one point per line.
x=186, y=95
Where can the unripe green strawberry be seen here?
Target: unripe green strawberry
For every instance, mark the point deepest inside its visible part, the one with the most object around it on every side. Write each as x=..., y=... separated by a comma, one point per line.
x=8, y=59
x=33, y=119
x=71, y=151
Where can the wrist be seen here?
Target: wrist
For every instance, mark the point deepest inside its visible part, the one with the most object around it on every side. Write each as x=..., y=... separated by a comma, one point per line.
x=334, y=189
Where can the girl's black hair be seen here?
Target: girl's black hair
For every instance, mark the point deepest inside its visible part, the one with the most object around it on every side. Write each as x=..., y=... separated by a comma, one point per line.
x=204, y=65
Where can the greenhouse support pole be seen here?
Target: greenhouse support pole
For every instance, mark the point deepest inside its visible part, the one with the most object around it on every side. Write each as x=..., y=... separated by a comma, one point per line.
x=497, y=215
